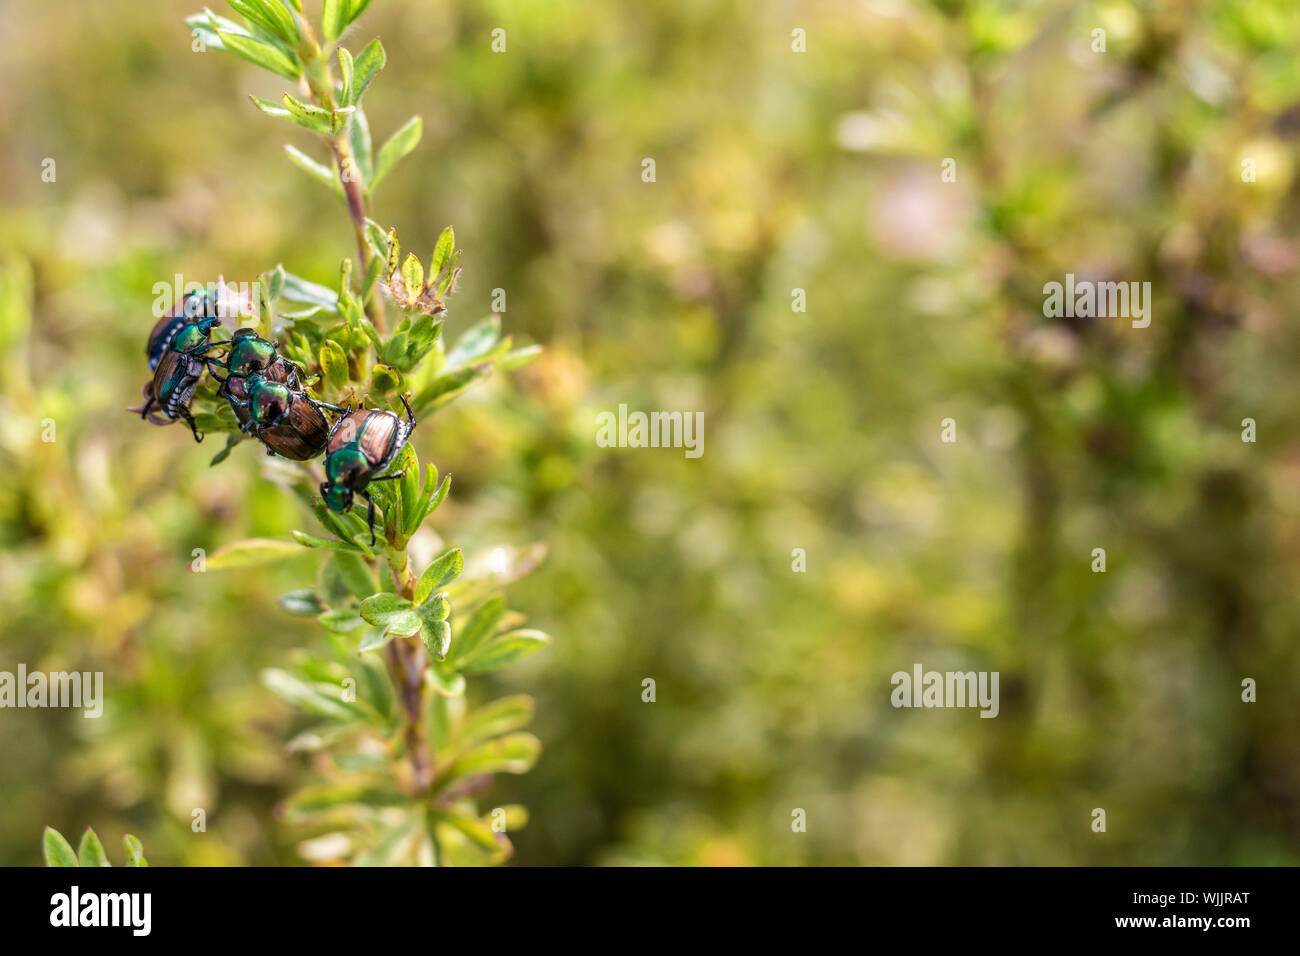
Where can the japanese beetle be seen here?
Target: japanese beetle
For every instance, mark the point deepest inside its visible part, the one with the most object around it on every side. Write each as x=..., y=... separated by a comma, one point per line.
x=362, y=444
x=286, y=419
x=177, y=374
x=250, y=354
x=198, y=303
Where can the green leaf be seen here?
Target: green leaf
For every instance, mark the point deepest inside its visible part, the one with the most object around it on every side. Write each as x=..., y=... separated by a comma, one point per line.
x=269, y=15
x=447, y=386
x=436, y=609
x=479, y=832
x=334, y=18
x=339, y=119
x=341, y=621
x=322, y=174
x=313, y=800
x=91, y=851
x=439, y=495
x=408, y=486
x=356, y=574
x=232, y=439
x=322, y=699
x=398, y=145
x=513, y=753
x=497, y=718
x=442, y=251
x=444, y=681
x=449, y=276
x=327, y=796
x=334, y=363
x=391, y=612
x=217, y=23
x=424, y=332
x=475, y=341
x=375, y=687
x=331, y=587
x=394, y=252
x=395, y=352
x=368, y=63
x=519, y=358
x=502, y=651
x=356, y=8
x=251, y=551
x=481, y=626
x=206, y=25
x=368, y=329
x=412, y=271
x=413, y=517
x=374, y=638
x=335, y=524
x=395, y=845
x=362, y=151
x=308, y=116
x=58, y=851
x=436, y=636
x=405, y=624
x=311, y=541
x=134, y=851
x=347, y=72
x=445, y=569
x=378, y=609
x=275, y=282
x=384, y=380
x=373, y=271
x=300, y=290
x=376, y=238
x=260, y=53
x=268, y=107
x=302, y=603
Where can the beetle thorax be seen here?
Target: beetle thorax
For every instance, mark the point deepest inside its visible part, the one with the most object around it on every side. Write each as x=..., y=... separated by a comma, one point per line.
x=188, y=338
x=347, y=467
x=250, y=355
x=269, y=399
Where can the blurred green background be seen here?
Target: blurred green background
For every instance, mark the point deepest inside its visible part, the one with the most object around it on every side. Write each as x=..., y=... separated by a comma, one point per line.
x=776, y=171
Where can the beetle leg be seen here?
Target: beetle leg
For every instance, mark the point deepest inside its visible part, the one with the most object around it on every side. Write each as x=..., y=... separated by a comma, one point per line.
x=400, y=474
x=370, y=515
x=189, y=420
x=347, y=410
x=144, y=412
x=410, y=415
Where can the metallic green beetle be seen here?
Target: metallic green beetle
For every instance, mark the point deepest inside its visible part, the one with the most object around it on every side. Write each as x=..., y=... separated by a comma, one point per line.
x=286, y=419
x=180, y=366
x=361, y=445
x=248, y=355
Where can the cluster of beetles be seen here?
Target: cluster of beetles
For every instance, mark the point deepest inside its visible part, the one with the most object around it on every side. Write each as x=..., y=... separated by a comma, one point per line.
x=265, y=391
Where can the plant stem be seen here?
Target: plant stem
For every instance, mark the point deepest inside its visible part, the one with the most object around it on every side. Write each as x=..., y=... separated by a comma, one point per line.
x=406, y=658
x=406, y=665
x=407, y=662
x=320, y=83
